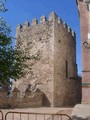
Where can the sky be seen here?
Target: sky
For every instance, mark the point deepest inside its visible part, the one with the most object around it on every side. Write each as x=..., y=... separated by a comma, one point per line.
x=20, y=11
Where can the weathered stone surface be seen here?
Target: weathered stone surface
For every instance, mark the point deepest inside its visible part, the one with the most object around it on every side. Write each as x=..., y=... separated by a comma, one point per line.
x=81, y=112
x=14, y=100
x=55, y=72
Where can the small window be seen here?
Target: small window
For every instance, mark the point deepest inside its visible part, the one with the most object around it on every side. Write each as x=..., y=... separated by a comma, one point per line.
x=66, y=69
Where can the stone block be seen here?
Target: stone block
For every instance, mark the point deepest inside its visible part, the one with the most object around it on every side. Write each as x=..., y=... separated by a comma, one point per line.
x=81, y=112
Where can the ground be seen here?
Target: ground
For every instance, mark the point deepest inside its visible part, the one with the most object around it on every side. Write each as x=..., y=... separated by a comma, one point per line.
x=43, y=110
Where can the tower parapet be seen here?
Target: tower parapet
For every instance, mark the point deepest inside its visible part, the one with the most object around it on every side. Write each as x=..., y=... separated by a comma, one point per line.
x=52, y=17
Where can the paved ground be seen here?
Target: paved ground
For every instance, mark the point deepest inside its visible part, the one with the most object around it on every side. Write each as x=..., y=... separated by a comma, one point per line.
x=45, y=110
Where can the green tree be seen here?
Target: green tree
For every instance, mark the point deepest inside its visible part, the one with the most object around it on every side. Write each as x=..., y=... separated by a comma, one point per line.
x=12, y=61
x=2, y=6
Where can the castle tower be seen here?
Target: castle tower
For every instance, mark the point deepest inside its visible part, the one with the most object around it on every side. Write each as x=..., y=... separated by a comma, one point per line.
x=55, y=70
x=84, y=13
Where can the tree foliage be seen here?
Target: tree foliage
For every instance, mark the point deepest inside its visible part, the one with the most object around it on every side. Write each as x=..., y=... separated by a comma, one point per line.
x=12, y=61
x=2, y=6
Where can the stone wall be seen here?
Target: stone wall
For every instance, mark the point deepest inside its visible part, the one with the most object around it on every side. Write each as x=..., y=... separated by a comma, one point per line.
x=14, y=100
x=38, y=40
x=86, y=94
x=66, y=82
x=53, y=42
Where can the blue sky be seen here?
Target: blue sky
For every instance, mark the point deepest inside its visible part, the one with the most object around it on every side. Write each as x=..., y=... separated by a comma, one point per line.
x=21, y=10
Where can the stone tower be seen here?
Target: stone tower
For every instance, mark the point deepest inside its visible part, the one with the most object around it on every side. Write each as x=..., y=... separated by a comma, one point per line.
x=55, y=72
x=84, y=13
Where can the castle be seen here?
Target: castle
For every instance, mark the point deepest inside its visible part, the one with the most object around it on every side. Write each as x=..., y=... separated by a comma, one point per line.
x=53, y=78
x=56, y=71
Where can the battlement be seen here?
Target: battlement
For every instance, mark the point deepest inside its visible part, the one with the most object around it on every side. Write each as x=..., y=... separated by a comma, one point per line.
x=43, y=20
x=14, y=100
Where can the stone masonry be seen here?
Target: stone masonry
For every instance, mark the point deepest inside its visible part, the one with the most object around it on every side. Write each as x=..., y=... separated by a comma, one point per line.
x=55, y=71
x=14, y=100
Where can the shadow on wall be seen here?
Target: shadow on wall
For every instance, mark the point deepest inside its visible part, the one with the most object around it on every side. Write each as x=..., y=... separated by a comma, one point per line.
x=46, y=102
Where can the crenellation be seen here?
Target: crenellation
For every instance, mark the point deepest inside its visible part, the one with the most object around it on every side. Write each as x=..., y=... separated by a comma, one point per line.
x=26, y=24
x=13, y=100
x=53, y=16
x=69, y=29
x=60, y=21
x=43, y=19
x=19, y=26
x=34, y=22
x=65, y=25
x=73, y=33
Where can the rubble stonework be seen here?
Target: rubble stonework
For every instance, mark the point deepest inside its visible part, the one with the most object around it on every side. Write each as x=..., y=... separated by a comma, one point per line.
x=55, y=71
x=14, y=100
